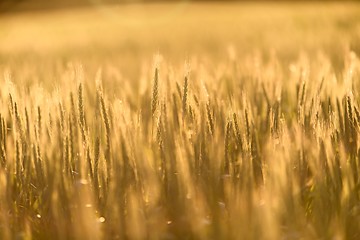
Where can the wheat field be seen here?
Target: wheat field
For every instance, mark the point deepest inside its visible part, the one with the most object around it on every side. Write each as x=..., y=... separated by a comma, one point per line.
x=249, y=131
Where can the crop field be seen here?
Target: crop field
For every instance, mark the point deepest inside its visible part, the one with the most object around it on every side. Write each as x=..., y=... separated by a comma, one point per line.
x=181, y=121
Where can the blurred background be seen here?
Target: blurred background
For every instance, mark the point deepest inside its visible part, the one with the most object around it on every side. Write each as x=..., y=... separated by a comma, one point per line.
x=22, y=5
x=132, y=31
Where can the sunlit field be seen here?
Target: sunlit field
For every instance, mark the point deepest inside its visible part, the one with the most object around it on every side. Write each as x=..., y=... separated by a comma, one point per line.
x=181, y=121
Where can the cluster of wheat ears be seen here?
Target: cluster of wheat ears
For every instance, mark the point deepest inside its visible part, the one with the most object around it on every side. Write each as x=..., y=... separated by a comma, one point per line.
x=251, y=149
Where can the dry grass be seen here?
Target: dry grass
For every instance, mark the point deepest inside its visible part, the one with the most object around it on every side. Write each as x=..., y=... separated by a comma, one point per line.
x=250, y=146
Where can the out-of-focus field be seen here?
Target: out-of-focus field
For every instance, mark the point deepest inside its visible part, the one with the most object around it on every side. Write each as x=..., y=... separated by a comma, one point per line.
x=184, y=29
x=244, y=125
